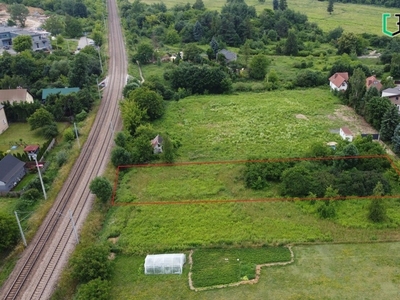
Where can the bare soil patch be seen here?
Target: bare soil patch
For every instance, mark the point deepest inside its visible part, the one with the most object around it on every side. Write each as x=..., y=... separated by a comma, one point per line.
x=114, y=240
x=357, y=124
x=300, y=116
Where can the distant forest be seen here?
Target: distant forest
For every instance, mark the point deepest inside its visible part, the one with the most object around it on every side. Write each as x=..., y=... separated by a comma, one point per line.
x=387, y=3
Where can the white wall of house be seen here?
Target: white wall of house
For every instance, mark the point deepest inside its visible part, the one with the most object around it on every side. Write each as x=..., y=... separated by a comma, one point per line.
x=343, y=87
x=3, y=120
x=345, y=136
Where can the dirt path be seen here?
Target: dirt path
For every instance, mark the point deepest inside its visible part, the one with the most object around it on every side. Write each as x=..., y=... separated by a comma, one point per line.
x=252, y=281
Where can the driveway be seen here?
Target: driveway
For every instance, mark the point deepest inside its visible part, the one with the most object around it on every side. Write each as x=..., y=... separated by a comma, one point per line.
x=83, y=42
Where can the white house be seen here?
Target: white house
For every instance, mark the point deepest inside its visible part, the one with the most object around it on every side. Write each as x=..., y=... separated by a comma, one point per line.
x=346, y=134
x=339, y=81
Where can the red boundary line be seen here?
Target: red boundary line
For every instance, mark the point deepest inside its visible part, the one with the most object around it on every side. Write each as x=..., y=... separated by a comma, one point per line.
x=248, y=161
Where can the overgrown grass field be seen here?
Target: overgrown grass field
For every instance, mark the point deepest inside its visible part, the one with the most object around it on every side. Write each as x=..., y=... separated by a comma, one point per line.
x=223, y=266
x=355, y=18
x=233, y=127
x=319, y=272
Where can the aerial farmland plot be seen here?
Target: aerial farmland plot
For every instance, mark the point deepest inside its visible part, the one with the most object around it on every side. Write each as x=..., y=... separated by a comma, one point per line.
x=183, y=207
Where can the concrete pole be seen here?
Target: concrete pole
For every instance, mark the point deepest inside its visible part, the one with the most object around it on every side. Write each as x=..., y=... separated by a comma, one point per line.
x=73, y=226
x=20, y=230
x=77, y=137
x=40, y=177
x=101, y=64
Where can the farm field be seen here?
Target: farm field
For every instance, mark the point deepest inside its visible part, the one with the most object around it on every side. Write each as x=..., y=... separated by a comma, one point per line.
x=319, y=271
x=355, y=18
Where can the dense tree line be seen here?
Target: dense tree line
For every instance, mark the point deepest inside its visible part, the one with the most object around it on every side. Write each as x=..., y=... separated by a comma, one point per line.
x=387, y=3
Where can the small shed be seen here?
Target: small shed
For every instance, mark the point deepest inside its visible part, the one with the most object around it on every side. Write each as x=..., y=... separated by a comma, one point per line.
x=157, y=144
x=31, y=150
x=164, y=263
x=346, y=134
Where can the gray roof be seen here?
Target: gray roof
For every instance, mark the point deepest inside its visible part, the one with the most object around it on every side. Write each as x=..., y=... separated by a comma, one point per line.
x=393, y=91
x=9, y=166
x=229, y=56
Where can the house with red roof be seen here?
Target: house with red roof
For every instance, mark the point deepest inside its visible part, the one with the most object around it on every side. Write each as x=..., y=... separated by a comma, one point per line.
x=339, y=81
x=373, y=82
x=32, y=151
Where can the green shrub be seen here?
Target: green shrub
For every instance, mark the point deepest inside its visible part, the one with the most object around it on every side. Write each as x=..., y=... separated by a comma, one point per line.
x=241, y=87
x=91, y=262
x=258, y=87
x=81, y=116
x=69, y=135
x=61, y=157
x=95, y=289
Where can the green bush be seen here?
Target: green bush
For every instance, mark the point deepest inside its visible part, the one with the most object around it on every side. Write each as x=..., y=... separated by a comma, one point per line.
x=61, y=157
x=69, y=135
x=95, y=289
x=258, y=87
x=241, y=87
x=91, y=262
x=81, y=116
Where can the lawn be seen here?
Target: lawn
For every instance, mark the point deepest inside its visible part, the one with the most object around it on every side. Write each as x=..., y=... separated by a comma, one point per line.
x=355, y=18
x=19, y=134
x=367, y=271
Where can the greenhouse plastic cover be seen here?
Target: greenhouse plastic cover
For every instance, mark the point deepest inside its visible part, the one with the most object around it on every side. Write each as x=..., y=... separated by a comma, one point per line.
x=164, y=263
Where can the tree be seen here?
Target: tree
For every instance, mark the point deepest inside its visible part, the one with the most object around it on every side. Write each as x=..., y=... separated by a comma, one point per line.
x=350, y=43
x=390, y=120
x=291, y=46
x=97, y=37
x=149, y=101
x=191, y=52
x=9, y=231
x=79, y=70
x=54, y=25
x=121, y=157
x=22, y=43
x=198, y=5
x=326, y=208
x=297, y=181
x=396, y=140
x=275, y=4
x=330, y=7
x=246, y=52
x=18, y=12
x=168, y=154
x=143, y=150
x=272, y=76
x=395, y=66
x=198, y=31
x=102, y=188
x=375, y=109
x=283, y=4
x=40, y=118
x=73, y=27
x=132, y=115
x=144, y=53
x=258, y=67
x=91, y=262
x=95, y=289
x=377, y=209
x=214, y=46
x=357, y=90
x=80, y=10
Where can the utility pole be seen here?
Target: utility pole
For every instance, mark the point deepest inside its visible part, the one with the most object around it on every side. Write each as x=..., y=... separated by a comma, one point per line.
x=40, y=176
x=20, y=229
x=77, y=137
x=101, y=64
x=98, y=89
x=73, y=226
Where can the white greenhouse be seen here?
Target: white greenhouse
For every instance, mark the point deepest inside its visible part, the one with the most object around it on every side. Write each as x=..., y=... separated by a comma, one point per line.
x=164, y=263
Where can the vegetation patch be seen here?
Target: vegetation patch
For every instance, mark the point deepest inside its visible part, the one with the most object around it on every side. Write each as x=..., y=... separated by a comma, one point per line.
x=223, y=266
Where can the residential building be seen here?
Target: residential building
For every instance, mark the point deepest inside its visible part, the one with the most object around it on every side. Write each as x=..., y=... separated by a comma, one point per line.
x=229, y=56
x=394, y=95
x=15, y=95
x=346, y=134
x=339, y=81
x=3, y=120
x=373, y=82
x=12, y=170
x=61, y=91
x=40, y=39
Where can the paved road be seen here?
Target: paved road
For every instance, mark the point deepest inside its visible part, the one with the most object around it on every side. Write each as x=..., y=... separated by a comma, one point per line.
x=83, y=42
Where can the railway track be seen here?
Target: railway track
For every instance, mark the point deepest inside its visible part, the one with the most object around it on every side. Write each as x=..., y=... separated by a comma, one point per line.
x=36, y=273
